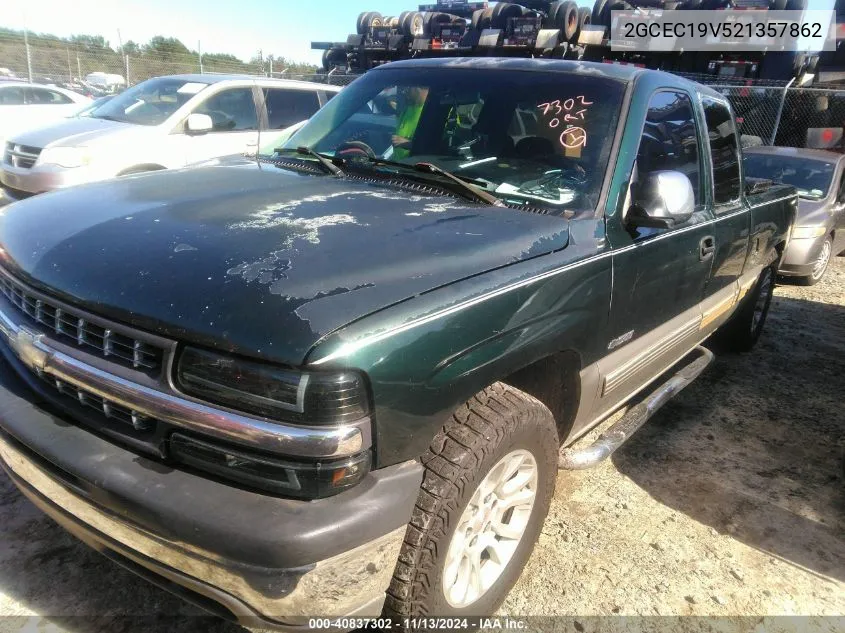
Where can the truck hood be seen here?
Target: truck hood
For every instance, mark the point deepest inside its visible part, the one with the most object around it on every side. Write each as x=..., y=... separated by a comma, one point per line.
x=256, y=260
x=72, y=132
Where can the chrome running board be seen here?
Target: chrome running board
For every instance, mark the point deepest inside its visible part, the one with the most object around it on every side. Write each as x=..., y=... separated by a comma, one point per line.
x=621, y=431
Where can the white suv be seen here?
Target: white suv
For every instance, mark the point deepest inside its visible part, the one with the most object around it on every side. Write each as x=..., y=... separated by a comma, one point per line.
x=162, y=123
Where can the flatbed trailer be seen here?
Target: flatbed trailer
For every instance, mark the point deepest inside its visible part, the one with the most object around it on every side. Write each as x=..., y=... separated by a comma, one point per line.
x=542, y=28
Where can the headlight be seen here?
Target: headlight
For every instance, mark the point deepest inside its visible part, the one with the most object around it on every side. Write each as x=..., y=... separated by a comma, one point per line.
x=804, y=232
x=312, y=398
x=64, y=156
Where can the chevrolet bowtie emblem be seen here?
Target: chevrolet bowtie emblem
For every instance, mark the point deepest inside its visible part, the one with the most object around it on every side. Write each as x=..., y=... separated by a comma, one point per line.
x=25, y=344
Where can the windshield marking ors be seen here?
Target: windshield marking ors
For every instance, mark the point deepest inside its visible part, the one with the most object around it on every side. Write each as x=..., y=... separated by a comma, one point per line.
x=572, y=137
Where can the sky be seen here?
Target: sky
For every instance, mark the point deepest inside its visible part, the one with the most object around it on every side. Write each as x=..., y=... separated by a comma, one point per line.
x=284, y=28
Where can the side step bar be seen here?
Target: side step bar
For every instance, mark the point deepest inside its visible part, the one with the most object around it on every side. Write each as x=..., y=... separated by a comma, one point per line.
x=621, y=431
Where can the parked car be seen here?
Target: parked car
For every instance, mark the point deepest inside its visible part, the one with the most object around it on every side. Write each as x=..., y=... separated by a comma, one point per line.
x=819, y=177
x=23, y=106
x=161, y=123
x=336, y=382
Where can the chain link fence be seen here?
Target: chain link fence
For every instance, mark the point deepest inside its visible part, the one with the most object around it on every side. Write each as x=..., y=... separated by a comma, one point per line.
x=767, y=112
x=69, y=66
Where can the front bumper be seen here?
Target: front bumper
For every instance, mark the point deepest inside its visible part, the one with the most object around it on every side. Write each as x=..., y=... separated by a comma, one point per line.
x=20, y=182
x=266, y=561
x=800, y=256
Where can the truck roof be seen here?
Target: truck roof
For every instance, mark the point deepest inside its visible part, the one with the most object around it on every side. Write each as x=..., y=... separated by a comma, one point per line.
x=621, y=72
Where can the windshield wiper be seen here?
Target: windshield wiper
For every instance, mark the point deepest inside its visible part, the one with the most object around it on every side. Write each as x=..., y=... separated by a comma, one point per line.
x=469, y=190
x=326, y=162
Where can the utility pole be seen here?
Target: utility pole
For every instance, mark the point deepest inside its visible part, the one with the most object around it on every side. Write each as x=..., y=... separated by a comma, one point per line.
x=78, y=66
x=28, y=56
x=69, y=71
x=125, y=57
x=199, y=52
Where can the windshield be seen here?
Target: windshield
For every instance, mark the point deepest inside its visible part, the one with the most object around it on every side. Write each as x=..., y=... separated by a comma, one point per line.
x=528, y=137
x=272, y=139
x=810, y=177
x=89, y=108
x=150, y=102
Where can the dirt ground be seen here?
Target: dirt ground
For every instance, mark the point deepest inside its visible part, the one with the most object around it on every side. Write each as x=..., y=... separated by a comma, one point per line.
x=730, y=502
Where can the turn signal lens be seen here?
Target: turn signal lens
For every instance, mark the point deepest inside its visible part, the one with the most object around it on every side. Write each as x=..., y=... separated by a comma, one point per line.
x=288, y=478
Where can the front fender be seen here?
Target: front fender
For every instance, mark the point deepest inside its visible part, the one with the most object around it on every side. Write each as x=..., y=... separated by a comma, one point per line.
x=426, y=356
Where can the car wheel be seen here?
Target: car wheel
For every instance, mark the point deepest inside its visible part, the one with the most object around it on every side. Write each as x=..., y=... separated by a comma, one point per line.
x=820, y=265
x=488, y=483
x=584, y=17
x=742, y=331
x=598, y=12
x=566, y=18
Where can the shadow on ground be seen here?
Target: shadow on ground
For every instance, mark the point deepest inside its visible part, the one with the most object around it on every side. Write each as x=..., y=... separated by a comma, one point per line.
x=755, y=447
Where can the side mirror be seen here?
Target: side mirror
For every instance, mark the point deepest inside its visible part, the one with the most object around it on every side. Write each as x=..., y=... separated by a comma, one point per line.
x=665, y=199
x=199, y=123
x=757, y=185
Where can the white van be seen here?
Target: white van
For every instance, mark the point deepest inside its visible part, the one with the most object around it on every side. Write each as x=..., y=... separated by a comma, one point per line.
x=162, y=123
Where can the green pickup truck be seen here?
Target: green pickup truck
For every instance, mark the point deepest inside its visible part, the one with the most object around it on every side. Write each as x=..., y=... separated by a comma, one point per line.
x=341, y=380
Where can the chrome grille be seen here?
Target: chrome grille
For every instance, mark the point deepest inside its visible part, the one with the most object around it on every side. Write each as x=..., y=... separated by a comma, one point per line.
x=22, y=156
x=106, y=407
x=68, y=325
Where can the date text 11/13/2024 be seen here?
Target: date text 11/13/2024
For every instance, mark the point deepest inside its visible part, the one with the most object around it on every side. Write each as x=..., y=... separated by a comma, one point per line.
x=421, y=624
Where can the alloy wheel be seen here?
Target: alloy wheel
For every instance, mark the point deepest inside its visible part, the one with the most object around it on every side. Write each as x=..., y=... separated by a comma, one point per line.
x=490, y=528
x=820, y=265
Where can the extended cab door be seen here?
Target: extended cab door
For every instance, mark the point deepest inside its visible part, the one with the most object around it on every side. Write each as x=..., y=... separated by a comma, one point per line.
x=659, y=274
x=732, y=224
x=235, y=126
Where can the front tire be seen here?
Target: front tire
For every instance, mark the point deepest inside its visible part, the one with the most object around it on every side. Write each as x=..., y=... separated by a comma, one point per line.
x=488, y=484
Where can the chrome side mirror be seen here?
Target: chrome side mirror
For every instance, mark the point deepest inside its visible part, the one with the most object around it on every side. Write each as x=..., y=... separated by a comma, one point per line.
x=665, y=199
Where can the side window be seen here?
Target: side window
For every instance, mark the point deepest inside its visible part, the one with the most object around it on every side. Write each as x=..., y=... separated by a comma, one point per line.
x=669, y=140
x=43, y=96
x=11, y=95
x=286, y=107
x=230, y=110
x=724, y=150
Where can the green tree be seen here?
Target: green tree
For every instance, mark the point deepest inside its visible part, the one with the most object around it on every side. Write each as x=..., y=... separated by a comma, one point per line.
x=166, y=45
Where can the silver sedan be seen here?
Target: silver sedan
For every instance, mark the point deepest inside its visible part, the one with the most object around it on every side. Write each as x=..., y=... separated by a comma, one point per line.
x=819, y=230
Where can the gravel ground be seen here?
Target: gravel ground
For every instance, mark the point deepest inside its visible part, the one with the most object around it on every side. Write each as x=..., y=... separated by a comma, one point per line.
x=730, y=502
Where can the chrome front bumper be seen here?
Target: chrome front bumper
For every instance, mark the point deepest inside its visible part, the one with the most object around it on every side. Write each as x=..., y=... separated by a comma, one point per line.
x=40, y=179
x=352, y=583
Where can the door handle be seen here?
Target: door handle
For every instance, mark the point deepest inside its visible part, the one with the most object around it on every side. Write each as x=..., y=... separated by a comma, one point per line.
x=706, y=248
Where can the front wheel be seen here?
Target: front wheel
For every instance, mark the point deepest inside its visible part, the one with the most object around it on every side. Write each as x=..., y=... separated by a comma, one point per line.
x=820, y=265
x=488, y=483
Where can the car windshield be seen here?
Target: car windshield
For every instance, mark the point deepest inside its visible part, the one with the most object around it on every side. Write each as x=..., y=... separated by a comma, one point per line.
x=527, y=137
x=150, y=102
x=88, y=109
x=809, y=176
